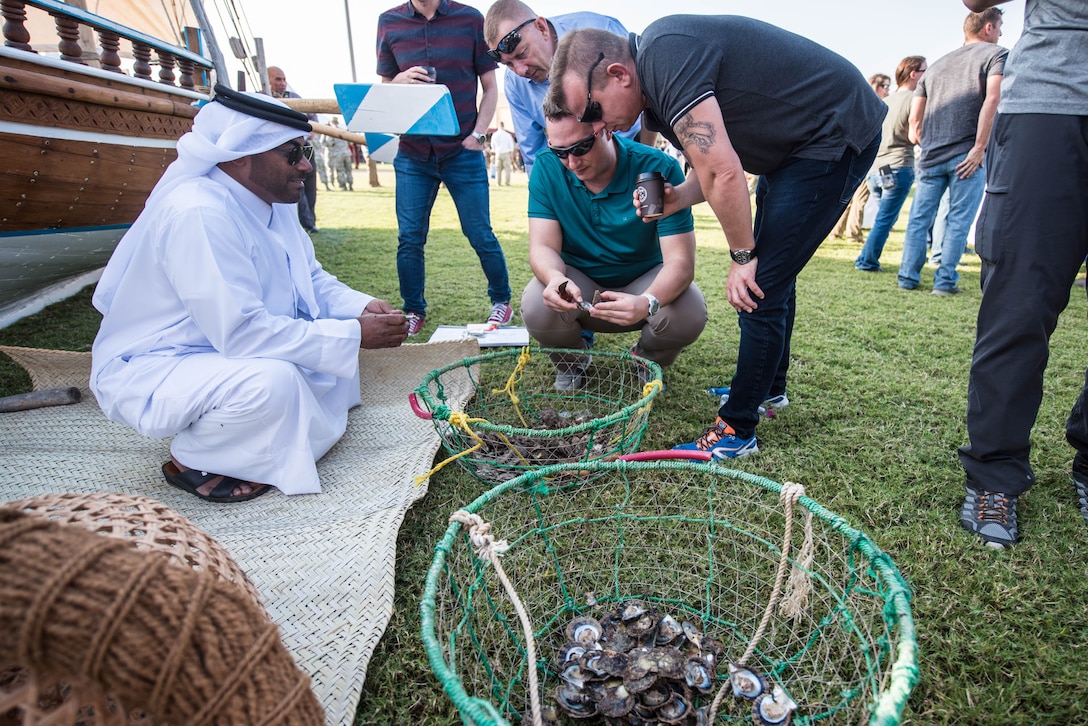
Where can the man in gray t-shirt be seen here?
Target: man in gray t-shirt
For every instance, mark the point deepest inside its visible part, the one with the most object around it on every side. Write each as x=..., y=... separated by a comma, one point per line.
x=951, y=116
x=1032, y=239
x=738, y=95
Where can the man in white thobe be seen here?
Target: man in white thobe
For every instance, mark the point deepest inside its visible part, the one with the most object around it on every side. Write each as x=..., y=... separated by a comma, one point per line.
x=219, y=325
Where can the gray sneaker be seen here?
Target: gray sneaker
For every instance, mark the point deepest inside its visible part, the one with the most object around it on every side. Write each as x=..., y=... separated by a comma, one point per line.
x=946, y=291
x=572, y=376
x=1080, y=482
x=645, y=375
x=990, y=515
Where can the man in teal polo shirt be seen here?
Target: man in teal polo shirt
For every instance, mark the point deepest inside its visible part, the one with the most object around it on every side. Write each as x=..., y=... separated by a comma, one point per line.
x=587, y=242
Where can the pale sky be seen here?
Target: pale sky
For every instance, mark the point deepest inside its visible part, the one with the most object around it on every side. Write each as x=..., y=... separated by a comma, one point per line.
x=873, y=34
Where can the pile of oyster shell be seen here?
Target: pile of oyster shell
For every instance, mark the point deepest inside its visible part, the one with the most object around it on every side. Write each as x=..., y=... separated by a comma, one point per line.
x=497, y=461
x=637, y=666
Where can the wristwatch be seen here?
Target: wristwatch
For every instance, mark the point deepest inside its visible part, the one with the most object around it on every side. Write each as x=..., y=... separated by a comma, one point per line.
x=481, y=139
x=653, y=304
x=742, y=257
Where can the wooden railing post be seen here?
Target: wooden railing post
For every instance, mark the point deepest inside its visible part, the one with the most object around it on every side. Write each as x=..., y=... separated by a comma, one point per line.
x=166, y=67
x=69, y=47
x=110, y=57
x=141, y=67
x=187, y=69
x=15, y=33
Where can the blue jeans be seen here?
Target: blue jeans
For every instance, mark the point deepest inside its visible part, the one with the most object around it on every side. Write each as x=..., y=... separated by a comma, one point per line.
x=465, y=176
x=891, y=203
x=796, y=207
x=964, y=198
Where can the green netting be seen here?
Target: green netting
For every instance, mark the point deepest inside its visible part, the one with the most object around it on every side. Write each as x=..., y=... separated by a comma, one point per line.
x=690, y=538
x=516, y=421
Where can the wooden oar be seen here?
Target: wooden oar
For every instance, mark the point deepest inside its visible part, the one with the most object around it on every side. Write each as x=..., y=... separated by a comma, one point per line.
x=324, y=105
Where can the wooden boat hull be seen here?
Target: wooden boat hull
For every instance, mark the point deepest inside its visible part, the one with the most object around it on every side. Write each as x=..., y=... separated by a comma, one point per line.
x=40, y=268
x=75, y=169
x=66, y=183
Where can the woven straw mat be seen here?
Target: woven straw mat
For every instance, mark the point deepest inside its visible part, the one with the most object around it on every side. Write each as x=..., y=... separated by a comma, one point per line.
x=322, y=563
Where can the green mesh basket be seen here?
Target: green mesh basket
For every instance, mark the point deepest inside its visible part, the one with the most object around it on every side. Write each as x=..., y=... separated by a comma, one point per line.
x=516, y=421
x=694, y=539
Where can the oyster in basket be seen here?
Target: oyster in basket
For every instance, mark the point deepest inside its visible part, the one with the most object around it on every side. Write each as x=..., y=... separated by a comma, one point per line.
x=575, y=701
x=635, y=666
x=616, y=700
x=774, y=708
x=677, y=708
x=584, y=631
x=698, y=675
x=746, y=682
x=668, y=630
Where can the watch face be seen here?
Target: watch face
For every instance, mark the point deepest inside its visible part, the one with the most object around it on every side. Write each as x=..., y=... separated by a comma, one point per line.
x=742, y=257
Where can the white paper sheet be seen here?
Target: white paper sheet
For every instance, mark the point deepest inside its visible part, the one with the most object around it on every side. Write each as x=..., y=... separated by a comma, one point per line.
x=510, y=336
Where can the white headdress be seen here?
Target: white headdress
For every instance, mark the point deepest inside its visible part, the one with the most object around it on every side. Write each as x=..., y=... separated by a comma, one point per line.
x=233, y=125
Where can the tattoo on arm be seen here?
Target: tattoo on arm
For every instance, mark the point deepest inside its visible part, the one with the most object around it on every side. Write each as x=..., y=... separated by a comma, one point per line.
x=695, y=133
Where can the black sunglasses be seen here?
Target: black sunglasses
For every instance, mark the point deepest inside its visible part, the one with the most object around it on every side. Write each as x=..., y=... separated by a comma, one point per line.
x=296, y=152
x=578, y=148
x=508, y=43
x=592, y=113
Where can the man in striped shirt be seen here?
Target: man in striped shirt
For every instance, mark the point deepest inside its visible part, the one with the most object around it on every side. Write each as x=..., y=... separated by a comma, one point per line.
x=448, y=37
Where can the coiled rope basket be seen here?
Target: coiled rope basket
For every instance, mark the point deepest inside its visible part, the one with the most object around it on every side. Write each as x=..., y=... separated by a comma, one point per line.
x=778, y=584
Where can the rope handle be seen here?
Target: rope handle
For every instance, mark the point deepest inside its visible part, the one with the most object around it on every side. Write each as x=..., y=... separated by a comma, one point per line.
x=488, y=549
x=462, y=421
x=800, y=585
x=523, y=359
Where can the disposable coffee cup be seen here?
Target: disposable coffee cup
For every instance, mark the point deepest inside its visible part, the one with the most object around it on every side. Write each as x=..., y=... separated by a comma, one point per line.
x=432, y=73
x=650, y=191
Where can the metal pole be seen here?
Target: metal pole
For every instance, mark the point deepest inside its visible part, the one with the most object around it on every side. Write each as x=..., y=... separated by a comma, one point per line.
x=262, y=69
x=213, y=46
x=351, y=48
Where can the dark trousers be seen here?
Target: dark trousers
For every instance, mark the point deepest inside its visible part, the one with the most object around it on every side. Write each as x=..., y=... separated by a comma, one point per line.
x=796, y=207
x=1032, y=236
x=308, y=202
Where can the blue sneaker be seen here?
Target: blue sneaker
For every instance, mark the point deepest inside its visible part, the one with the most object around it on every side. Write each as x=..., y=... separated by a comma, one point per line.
x=769, y=408
x=722, y=442
x=587, y=338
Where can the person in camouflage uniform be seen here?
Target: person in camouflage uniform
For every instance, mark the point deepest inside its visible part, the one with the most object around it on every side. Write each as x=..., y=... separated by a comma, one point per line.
x=339, y=153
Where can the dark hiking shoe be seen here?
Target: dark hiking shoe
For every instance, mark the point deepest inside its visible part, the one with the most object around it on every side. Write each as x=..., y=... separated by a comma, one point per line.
x=1080, y=482
x=990, y=515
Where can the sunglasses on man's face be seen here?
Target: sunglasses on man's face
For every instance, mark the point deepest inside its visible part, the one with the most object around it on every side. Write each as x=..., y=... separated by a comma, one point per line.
x=296, y=152
x=592, y=113
x=578, y=148
x=508, y=43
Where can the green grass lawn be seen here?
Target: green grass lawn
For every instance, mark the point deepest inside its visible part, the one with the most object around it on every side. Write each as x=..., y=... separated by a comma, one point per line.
x=877, y=390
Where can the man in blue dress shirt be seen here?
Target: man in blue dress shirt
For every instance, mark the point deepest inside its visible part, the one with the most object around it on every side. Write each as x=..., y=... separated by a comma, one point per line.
x=525, y=43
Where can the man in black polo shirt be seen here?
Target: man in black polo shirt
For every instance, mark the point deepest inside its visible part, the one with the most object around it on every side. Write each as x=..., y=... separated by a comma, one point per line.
x=738, y=95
